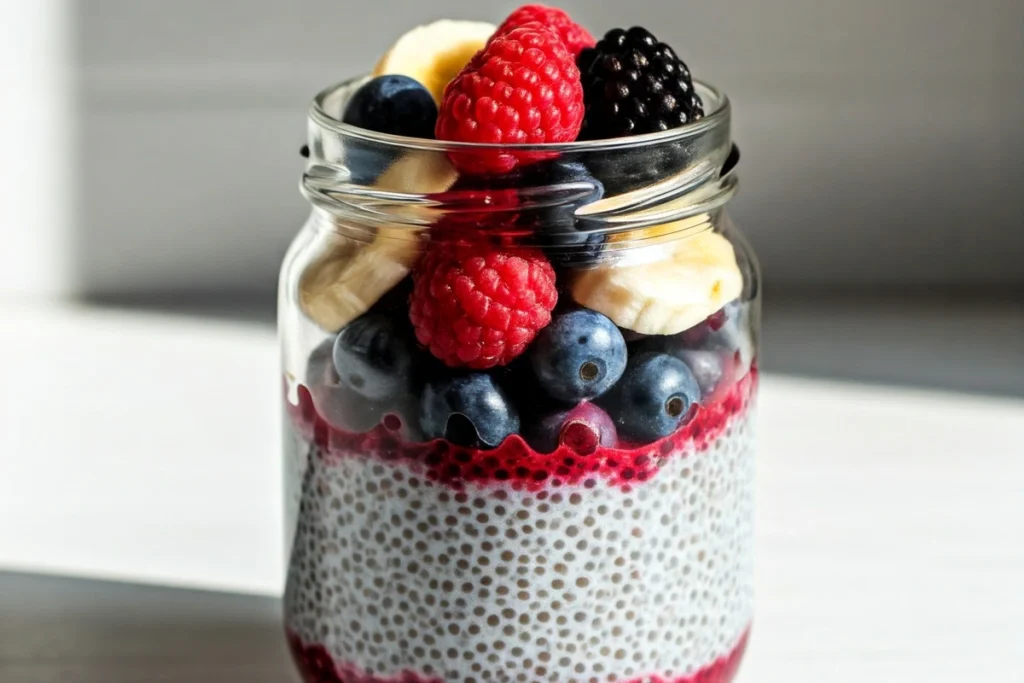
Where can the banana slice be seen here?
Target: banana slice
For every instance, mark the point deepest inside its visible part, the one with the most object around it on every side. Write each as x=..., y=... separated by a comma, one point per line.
x=655, y=231
x=351, y=276
x=695, y=278
x=418, y=172
x=435, y=53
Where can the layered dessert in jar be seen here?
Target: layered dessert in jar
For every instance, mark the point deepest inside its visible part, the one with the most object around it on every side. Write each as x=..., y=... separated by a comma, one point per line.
x=519, y=346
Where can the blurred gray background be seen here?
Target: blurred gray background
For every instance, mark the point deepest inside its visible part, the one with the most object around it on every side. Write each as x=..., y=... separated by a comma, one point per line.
x=881, y=179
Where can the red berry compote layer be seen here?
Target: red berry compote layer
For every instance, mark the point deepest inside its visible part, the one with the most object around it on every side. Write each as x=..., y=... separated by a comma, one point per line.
x=435, y=562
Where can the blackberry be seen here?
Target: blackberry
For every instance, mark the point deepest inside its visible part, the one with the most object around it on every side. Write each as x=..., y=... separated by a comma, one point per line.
x=632, y=84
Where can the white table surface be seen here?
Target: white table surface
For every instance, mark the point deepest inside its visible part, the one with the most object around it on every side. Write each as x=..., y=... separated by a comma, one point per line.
x=890, y=522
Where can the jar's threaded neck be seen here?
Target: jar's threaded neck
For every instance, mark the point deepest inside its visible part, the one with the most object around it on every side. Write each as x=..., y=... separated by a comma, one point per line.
x=367, y=181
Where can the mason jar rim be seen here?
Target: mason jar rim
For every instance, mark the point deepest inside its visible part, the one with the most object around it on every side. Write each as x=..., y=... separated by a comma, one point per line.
x=719, y=104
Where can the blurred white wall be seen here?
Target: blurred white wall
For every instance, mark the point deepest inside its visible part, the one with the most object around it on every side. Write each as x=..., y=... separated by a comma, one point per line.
x=36, y=162
x=882, y=139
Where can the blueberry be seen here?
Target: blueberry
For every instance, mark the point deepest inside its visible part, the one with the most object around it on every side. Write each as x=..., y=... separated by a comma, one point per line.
x=469, y=410
x=653, y=397
x=582, y=429
x=320, y=366
x=570, y=184
x=336, y=403
x=579, y=356
x=393, y=104
x=707, y=366
x=366, y=160
x=563, y=187
x=373, y=355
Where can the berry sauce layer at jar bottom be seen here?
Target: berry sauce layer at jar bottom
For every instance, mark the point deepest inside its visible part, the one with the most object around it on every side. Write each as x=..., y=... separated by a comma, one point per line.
x=412, y=563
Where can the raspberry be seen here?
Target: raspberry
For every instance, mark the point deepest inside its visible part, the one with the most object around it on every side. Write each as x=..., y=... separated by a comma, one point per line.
x=522, y=88
x=479, y=209
x=478, y=306
x=572, y=34
x=632, y=84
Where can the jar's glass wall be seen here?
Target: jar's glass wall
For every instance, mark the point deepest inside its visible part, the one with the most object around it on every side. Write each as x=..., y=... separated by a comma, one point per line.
x=518, y=416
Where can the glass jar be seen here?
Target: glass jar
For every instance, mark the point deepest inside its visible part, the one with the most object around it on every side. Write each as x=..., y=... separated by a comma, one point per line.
x=518, y=425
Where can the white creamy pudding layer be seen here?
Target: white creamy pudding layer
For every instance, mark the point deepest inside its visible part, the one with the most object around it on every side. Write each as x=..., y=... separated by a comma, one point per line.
x=392, y=572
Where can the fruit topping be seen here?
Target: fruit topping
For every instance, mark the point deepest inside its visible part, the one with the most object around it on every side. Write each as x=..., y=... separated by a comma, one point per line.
x=654, y=397
x=582, y=429
x=479, y=306
x=393, y=104
x=572, y=34
x=468, y=410
x=568, y=240
x=579, y=356
x=721, y=331
x=373, y=355
x=419, y=172
x=340, y=406
x=708, y=368
x=433, y=54
x=479, y=209
x=349, y=276
x=524, y=87
x=693, y=278
x=716, y=350
x=463, y=253
x=633, y=84
x=663, y=232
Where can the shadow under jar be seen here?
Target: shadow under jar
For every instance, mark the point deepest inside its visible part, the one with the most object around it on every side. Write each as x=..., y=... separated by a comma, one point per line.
x=518, y=415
